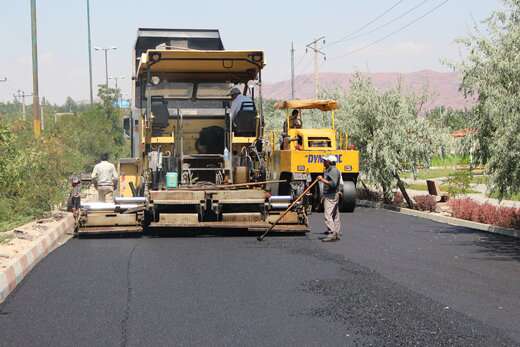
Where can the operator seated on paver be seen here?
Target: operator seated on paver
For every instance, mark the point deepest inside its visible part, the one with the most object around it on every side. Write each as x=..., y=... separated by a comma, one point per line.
x=295, y=122
x=331, y=180
x=237, y=99
x=104, y=177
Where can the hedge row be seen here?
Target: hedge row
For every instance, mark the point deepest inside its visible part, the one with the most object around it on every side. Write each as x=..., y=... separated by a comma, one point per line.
x=468, y=209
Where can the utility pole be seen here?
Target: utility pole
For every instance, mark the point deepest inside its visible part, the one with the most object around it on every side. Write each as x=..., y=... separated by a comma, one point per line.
x=292, y=70
x=43, y=117
x=119, y=94
x=36, y=99
x=89, y=55
x=106, y=60
x=21, y=95
x=117, y=78
x=315, y=46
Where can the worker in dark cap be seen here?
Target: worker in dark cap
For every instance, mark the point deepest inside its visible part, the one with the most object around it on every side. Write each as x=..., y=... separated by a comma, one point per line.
x=331, y=181
x=237, y=99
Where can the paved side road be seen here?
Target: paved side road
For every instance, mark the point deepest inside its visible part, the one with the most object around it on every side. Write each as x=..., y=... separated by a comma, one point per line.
x=394, y=280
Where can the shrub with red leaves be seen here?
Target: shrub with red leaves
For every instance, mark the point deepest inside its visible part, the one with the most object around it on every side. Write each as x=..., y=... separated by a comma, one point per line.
x=468, y=209
x=488, y=214
x=506, y=216
x=398, y=198
x=369, y=195
x=425, y=202
x=516, y=220
x=463, y=208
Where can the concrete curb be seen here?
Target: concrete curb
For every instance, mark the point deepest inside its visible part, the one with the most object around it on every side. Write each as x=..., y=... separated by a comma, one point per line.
x=443, y=219
x=20, y=267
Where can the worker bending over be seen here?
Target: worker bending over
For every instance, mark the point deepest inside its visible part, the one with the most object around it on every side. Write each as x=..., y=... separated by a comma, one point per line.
x=331, y=180
x=104, y=177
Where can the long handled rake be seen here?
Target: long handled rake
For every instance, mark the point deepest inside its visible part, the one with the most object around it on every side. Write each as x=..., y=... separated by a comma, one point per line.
x=261, y=237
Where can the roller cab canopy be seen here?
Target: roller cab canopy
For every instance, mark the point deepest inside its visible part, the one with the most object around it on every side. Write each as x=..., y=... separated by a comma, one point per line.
x=235, y=66
x=323, y=105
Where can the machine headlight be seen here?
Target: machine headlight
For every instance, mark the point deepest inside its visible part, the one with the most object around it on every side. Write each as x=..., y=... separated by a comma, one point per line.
x=156, y=80
x=348, y=168
x=156, y=57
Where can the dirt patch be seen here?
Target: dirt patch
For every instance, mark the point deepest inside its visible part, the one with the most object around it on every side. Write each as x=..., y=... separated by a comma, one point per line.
x=16, y=241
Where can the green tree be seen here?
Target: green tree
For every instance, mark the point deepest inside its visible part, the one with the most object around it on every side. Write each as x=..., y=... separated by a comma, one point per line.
x=387, y=129
x=443, y=117
x=109, y=98
x=34, y=173
x=491, y=74
x=70, y=105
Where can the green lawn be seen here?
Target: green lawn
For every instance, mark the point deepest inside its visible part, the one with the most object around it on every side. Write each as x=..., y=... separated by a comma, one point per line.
x=11, y=224
x=480, y=179
x=514, y=197
x=430, y=173
x=423, y=186
x=450, y=160
x=4, y=238
x=427, y=174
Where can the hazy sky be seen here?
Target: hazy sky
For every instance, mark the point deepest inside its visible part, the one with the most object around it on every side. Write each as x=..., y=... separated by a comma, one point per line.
x=268, y=25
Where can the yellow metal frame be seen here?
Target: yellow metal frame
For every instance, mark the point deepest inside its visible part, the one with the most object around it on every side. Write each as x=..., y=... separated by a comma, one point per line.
x=311, y=161
x=243, y=140
x=332, y=116
x=128, y=172
x=207, y=61
x=307, y=159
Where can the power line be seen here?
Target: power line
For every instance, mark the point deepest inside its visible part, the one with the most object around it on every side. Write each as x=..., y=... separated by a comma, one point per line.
x=367, y=24
x=309, y=78
x=300, y=60
x=406, y=26
x=315, y=46
x=393, y=20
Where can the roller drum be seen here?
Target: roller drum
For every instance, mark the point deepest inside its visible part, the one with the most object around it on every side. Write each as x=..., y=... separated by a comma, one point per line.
x=132, y=200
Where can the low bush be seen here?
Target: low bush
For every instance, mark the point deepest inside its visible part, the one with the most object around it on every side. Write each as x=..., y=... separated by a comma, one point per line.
x=468, y=209
x=370, y=195
x=398, y=198
x=462, y=208
x=425, y=202
x=459, y=183
x=34, y=172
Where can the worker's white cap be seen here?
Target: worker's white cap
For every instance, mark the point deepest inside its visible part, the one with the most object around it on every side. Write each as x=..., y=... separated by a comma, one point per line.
x=235, y=91
x=331, y=158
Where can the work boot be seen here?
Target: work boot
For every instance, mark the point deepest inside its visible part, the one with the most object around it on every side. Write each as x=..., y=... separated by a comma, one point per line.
x=330, y=238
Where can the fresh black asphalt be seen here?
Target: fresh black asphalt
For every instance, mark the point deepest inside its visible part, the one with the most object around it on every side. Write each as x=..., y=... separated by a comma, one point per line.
x=392, y=280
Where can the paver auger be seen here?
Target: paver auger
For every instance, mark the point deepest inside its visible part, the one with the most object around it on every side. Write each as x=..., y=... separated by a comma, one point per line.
x=195, y=165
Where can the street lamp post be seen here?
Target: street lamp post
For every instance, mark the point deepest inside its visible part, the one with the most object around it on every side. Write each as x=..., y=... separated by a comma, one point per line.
x=106, y=60
x=89, y=55
x=37, y=127
x=119, y=95
x=21, y=95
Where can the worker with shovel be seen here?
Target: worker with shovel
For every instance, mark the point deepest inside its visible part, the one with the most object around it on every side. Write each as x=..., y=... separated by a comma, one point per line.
x=331, y=181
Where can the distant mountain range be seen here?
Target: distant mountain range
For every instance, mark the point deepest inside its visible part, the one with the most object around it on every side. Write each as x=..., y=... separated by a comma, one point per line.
x=442, y=87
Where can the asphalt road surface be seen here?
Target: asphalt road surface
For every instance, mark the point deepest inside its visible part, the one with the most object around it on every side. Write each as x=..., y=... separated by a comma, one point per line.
x=392, y=280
